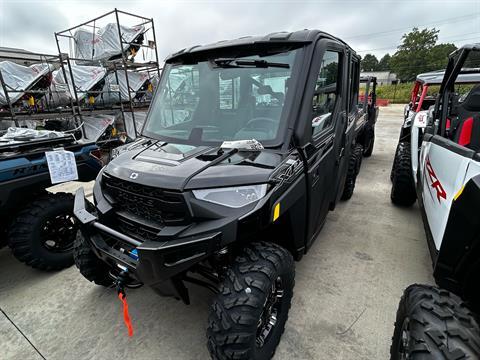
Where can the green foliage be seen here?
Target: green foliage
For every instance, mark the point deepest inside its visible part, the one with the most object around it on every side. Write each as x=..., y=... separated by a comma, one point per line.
x=369, y=63
x=400, y=95
x=438, y=57
x=419, y=53
x=384, y=63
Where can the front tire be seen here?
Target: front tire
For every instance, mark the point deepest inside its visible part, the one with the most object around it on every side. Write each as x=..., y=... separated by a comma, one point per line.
x=43, y=233
x=434, y=324
x=403, y=186
x=248, y=315
x=90, y=266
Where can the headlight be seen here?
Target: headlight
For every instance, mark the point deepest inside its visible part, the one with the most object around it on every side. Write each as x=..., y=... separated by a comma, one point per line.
x=233, y=197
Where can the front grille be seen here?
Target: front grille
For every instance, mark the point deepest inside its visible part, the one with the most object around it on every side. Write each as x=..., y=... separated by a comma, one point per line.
x=138, y=231
x=152, y=205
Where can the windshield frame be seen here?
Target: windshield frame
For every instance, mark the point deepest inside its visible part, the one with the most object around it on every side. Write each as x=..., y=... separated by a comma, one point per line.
x=286, y=113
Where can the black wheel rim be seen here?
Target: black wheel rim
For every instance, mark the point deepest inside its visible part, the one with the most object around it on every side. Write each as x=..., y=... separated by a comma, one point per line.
x=271, y=309
x=58, y=233
x=404, y=340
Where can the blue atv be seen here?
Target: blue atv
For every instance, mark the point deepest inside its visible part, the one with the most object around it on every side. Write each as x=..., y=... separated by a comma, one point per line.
x=36, y=224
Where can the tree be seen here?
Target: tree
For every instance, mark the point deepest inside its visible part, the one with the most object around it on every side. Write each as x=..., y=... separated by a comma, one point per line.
x=419, y=53
x=384, y=63
x=369, y=63
x=438, y=56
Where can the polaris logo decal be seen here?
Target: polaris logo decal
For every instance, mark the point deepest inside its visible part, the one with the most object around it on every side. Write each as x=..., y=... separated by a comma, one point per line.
x=435, y=182
x=133, y=175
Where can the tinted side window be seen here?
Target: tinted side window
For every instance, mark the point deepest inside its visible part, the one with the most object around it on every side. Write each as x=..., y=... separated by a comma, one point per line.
x=326, y=90
x=354, y=84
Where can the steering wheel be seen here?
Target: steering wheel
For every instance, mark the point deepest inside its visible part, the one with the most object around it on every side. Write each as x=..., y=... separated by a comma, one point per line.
x=261, y=123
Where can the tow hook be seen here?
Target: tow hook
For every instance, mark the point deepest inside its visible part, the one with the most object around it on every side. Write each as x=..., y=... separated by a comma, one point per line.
x=120, y=287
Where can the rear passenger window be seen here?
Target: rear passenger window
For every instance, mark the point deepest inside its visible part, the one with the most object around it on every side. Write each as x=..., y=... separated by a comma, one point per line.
x=354, y=85
x=326, y=90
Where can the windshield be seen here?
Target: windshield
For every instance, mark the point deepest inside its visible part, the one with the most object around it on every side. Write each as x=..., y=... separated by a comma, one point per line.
x=222, y=99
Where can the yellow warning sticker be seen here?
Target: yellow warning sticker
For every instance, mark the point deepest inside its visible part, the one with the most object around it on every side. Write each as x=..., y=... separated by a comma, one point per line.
x=276, y=212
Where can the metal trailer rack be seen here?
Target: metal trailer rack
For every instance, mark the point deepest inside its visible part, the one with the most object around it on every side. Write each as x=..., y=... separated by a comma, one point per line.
x=31, y=101
x=107, y=41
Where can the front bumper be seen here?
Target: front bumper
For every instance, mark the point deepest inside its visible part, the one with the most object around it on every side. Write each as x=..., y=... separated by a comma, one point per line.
x=156, y=263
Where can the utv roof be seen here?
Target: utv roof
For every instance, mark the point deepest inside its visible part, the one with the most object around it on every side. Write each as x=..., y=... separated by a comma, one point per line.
x=277, y=39
x=436, y=77
x=468, y=47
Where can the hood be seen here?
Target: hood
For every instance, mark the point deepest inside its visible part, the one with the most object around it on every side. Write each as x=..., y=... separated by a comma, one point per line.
x=182, y=167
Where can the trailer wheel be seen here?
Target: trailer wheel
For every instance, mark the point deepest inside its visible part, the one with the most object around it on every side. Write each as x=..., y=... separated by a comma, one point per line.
x=434, y=324
x=248, y=316
x=90, y=266
x=403, y=187
x=354, y=165
x=369, y=142
x=43, y=233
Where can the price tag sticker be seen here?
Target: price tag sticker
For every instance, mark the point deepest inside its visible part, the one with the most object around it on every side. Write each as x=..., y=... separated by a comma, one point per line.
x=62, y=166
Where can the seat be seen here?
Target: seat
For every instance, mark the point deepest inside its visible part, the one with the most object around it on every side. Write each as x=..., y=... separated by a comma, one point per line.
x=467, y=127
x=468, y=133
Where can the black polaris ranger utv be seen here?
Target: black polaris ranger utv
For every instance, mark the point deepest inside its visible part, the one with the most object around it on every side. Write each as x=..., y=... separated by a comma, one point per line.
x=367, y=133
x=364, y=130
x=244, y=151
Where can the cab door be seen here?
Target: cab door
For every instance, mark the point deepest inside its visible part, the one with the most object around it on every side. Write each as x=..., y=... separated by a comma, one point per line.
x=327, y=115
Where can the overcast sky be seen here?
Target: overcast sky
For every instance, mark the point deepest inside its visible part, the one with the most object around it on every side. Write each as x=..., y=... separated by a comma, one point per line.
x=364, y=24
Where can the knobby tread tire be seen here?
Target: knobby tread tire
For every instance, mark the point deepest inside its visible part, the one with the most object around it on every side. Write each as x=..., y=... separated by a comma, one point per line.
x=236, y=310
x=370, y=142
x=354, y=164
x=403, y=186
x=439, y=323
x=358, y=150
x=23, y=236
x=89, y=265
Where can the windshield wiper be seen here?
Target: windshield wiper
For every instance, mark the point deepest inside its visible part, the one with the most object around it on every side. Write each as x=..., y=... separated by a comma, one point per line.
x=246, y=63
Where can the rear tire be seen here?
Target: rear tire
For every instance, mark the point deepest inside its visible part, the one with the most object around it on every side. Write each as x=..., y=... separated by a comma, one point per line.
x=91, y=267
x=434, y=324
x=42, y=234
x=248, y=316
x=369, y=142
x=403, y=186
x=354, y=165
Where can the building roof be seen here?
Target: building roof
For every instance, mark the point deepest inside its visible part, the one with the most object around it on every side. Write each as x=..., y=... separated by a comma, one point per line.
x=380, y=74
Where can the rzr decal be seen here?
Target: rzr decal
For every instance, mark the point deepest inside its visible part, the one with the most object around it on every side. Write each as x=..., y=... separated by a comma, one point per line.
x=435, y=182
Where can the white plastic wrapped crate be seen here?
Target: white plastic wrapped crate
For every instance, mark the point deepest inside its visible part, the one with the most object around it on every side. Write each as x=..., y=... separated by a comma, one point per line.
x=140, y=117
x=95, y=126
x=85, y=78
x=110, y=90
x=19, y=77
x=105, y=44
